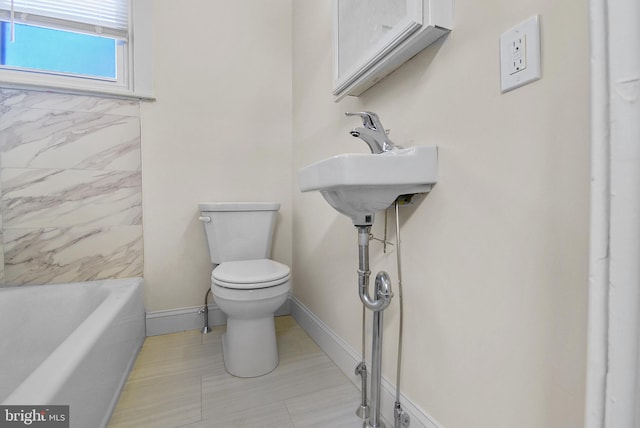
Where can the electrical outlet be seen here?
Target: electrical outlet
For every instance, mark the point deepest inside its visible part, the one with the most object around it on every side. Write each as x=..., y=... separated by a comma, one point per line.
x=520, y=55
x=518, y=50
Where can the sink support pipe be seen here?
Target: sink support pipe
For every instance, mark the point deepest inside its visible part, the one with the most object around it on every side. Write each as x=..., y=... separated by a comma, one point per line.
x=377, y=304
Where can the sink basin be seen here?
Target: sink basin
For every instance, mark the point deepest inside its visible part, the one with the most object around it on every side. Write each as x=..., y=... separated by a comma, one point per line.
x=358, y=185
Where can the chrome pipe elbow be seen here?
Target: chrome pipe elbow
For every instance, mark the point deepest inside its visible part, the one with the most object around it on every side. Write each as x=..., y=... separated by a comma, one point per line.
x=383, y=293
x=383, y=290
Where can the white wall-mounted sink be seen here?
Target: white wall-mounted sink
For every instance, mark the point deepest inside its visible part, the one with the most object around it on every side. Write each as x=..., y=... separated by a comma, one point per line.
x=358, y=185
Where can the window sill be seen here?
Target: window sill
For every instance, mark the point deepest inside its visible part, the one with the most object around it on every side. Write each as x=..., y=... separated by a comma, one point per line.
x=77, y=89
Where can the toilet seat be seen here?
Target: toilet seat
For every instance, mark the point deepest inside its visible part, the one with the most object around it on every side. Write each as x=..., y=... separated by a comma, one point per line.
x=250, y=274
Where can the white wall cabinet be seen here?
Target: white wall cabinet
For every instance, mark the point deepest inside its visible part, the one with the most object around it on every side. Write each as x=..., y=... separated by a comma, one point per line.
x=374, y=37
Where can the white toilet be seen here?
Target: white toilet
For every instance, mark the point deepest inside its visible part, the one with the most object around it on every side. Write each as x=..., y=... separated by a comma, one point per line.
x=246, y=285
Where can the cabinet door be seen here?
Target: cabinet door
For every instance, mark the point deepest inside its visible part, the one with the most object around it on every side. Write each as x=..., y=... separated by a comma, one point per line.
x=372, y=37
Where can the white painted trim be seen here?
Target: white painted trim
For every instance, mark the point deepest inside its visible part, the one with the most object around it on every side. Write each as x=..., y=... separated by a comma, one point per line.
x=183, y=319
x=346, y=358
x=613, y=369
x=599, y=221
x=622, y=396
x=337, y=349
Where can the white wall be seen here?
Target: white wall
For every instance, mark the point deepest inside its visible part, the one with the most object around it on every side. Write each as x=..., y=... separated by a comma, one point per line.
x=220, y=130
x=495, y=258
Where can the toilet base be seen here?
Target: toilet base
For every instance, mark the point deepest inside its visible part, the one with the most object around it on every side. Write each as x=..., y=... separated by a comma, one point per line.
x=249, y=346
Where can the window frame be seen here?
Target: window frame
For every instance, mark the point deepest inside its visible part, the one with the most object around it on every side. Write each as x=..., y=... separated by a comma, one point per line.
x=134, y=71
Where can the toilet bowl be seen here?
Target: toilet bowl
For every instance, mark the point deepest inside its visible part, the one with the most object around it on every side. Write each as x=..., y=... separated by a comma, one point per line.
x=249, y=292
x=246, y=285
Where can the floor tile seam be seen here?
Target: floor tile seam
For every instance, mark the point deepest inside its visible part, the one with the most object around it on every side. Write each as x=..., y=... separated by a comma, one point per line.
x=287, y=396
x=174, y=343
x=193, y=340
x=297, y=357
x=201, y=419
x=149, y=380
x=293, y=422
x=284, y=403
x=284, y=371
x=193, y=358
x=315, y=391
x=201, y=399
x=197, y=368
x=178, y=363
x=176, y=349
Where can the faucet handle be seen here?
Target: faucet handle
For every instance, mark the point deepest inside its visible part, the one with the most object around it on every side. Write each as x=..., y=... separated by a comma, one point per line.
x=370, y=120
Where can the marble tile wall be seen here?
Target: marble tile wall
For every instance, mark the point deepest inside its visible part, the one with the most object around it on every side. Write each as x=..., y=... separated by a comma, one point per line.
x=70, y=188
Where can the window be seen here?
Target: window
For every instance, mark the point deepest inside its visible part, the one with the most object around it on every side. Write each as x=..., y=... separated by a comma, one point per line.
x=57, y=51
x=76, y=45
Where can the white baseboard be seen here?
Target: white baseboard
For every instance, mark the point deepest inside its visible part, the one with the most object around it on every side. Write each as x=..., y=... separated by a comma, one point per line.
x=183, y=319
x=346, y=358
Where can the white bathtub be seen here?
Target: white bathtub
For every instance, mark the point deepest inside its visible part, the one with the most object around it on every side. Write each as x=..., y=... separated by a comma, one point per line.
x=70, y=344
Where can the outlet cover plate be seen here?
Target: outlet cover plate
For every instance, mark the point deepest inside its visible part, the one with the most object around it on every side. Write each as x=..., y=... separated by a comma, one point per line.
x=520, y=55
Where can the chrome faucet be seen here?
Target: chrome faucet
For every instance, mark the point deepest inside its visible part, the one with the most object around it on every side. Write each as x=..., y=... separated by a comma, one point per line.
x=373, y=132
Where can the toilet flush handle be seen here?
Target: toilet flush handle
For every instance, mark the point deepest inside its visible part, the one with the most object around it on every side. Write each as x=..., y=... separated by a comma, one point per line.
x=205, y=219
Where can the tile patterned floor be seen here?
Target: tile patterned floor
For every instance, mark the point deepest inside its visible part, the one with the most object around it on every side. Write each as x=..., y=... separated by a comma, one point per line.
x=179, y=381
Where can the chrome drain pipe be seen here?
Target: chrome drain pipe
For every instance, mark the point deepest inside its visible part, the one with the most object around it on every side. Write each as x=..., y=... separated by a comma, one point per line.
x=384, y=294
x=378, y=303
x=361, y=370
x=363, y=410
x=381, y=300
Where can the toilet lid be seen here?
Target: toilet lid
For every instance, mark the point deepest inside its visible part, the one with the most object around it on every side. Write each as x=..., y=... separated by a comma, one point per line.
x=247, y=274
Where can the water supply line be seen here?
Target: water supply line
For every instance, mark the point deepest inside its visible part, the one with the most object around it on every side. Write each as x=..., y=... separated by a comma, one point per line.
x=205, y=310
x=400, y=417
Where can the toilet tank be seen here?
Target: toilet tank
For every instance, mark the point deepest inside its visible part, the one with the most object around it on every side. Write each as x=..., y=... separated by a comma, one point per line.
x=238, y=230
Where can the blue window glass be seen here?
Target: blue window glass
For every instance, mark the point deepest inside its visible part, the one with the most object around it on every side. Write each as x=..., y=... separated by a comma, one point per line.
x=44, y=49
